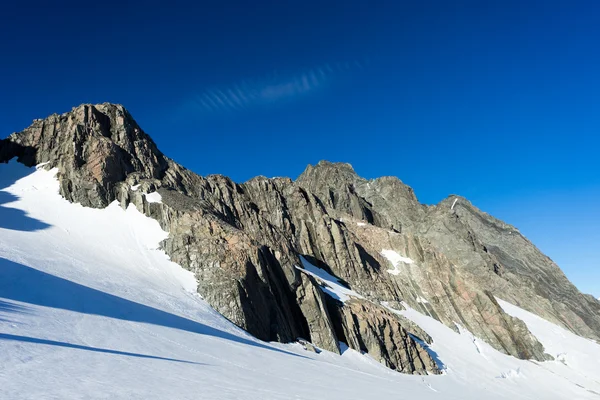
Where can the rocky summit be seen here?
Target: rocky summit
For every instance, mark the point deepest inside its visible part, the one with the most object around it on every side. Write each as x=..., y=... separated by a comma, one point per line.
x=269, y=254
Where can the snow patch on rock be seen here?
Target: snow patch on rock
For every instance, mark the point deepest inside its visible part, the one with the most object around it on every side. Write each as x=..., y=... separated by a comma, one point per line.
x=153, y=197
x=329, y=283
x=395, y=258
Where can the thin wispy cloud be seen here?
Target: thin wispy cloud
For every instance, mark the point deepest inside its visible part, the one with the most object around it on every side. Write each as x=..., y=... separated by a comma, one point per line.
x=271, y=90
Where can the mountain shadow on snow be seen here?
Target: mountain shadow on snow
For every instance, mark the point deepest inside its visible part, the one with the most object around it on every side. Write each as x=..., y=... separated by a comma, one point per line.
x=28, y=285
x=11, y=218
x=27, y=339
x=17, y=220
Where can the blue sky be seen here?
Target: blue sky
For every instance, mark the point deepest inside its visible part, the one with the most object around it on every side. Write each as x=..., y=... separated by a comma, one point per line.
x=497, y=101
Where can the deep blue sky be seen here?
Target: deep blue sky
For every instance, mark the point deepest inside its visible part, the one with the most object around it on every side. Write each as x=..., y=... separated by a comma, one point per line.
x=495, y=100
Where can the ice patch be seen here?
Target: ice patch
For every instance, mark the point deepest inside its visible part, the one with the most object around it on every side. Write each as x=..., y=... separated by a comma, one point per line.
x=361, y=224
x=395, y=259
x=454, y=203
x=153, y=197
x=135, y=187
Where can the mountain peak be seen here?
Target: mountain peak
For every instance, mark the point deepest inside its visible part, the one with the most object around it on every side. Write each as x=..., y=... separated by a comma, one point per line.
x=244, y=242
x=101, y=106
x=337, y=165
x=95, y=146
x=327, y=173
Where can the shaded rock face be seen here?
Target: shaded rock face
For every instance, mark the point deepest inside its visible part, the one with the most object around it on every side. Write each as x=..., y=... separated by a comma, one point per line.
x=243, y=243
x=374, y=330
x=313, y=304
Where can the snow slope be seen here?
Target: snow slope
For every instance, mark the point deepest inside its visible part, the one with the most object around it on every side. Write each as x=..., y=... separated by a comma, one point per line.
x=91, y=309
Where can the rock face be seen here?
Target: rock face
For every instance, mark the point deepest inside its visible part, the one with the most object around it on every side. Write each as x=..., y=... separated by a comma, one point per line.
x=313, y=304
x=376, y=331
x=243, y=242
x=94, y=148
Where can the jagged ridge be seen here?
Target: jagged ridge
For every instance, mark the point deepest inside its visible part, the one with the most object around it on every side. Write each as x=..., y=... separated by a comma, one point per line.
x=243, y=240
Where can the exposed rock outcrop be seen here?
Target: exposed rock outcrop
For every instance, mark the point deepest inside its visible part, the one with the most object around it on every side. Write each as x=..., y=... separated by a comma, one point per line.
x=94, y=147
x=376, y=331
x=243, y=242
x=313, y=304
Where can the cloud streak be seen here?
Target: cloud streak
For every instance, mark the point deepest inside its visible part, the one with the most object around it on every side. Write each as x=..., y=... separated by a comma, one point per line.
x=272, y=90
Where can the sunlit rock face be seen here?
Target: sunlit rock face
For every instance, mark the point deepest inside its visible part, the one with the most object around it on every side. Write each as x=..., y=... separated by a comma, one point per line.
x=248, y=245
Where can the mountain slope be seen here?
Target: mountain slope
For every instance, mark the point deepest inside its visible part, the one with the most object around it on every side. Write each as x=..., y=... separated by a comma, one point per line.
x=90, y=308
x=244, y=242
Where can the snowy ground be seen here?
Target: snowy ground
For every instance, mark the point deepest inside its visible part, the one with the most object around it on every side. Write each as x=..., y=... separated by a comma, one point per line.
x=90, y=309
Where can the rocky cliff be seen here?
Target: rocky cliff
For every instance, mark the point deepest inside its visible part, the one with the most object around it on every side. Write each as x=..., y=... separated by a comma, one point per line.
x=244, y=242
